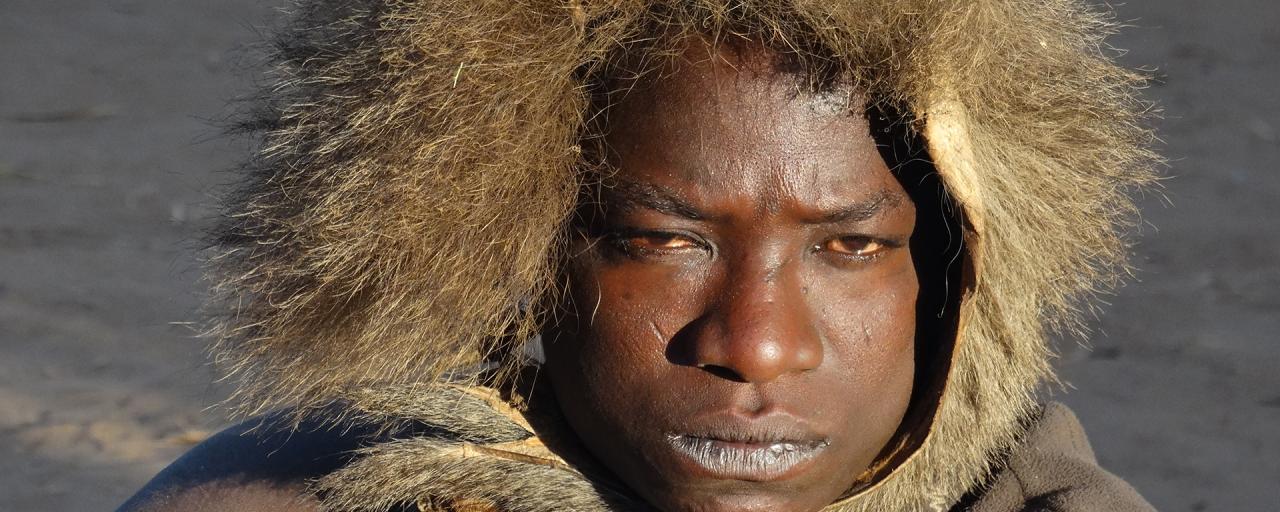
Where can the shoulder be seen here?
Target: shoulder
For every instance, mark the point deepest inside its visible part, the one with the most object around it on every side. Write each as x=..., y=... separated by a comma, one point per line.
x=1054, y=470
x=256, y=465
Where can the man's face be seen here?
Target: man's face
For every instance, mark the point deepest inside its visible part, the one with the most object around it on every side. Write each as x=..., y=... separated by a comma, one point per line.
x=741, y=317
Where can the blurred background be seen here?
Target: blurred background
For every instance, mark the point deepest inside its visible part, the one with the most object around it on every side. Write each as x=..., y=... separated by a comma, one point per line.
x=110, y=152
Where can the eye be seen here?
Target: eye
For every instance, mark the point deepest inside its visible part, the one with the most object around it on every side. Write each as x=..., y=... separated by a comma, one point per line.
x=662, y=241
x=860, y=247
x=653, y=243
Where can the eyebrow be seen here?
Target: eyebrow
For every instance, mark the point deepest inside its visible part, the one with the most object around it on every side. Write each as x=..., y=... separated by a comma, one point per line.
x=630, y=194
x=862, y=210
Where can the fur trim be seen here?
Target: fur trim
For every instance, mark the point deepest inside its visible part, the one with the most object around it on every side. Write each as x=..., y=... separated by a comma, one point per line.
x=421, y=158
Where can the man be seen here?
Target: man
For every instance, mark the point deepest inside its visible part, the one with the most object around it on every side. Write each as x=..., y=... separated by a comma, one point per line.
x=673, y=255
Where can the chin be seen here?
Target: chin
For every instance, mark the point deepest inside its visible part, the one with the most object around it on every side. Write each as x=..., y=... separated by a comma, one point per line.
x=697, y=495
x=734, y=502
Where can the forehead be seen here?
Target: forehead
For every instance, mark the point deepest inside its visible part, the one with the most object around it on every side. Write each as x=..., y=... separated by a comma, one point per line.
x=726, y=121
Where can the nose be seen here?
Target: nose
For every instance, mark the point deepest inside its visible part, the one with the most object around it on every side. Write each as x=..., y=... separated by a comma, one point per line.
x=761, y=329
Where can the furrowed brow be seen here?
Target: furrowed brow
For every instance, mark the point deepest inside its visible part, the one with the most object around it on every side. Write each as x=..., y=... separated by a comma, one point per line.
x=629, y=194
x=861, y=210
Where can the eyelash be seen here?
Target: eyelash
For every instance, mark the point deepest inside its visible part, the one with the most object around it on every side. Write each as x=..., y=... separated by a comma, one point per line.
x=623, y=242
x=884, y=246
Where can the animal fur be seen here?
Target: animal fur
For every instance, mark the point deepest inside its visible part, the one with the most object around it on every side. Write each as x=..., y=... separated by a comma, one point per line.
x=421, y=159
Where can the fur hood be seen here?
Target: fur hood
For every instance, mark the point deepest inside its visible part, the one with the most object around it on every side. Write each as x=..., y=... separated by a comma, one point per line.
x=420, y=160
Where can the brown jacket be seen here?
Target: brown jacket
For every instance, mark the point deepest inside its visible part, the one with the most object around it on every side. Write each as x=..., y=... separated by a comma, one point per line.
x=1053, y=469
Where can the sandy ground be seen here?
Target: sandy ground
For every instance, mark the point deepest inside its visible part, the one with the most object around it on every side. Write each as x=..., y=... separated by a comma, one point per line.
x=108, y=156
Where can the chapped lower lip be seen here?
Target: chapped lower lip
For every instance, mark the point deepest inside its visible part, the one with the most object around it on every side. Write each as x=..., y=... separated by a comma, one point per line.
x=752, y=461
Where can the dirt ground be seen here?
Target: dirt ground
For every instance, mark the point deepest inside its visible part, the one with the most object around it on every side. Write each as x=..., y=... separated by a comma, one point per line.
x=109, y=152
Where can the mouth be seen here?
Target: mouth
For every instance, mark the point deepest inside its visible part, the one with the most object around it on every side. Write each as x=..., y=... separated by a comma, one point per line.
x=756, y=456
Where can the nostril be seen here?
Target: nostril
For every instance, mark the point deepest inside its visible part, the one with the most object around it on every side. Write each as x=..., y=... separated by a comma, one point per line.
x=722, y=372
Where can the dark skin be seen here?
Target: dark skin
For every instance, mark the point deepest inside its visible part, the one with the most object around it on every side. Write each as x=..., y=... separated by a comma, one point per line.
x=746, y=283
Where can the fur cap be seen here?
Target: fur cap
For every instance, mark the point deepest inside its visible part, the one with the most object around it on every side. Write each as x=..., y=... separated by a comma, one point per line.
x=421, y=158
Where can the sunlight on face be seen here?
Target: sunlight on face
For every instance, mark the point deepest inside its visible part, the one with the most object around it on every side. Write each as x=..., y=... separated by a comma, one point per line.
x=740, y=326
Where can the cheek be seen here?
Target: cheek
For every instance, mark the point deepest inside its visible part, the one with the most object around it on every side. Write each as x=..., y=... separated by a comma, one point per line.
x=619, y=321
x=869, y=329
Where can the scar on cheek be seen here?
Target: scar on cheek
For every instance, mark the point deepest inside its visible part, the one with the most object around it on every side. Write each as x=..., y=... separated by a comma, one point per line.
x=657, y=332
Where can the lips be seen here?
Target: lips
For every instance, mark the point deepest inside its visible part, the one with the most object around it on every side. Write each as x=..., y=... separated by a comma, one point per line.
x=753, y=450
